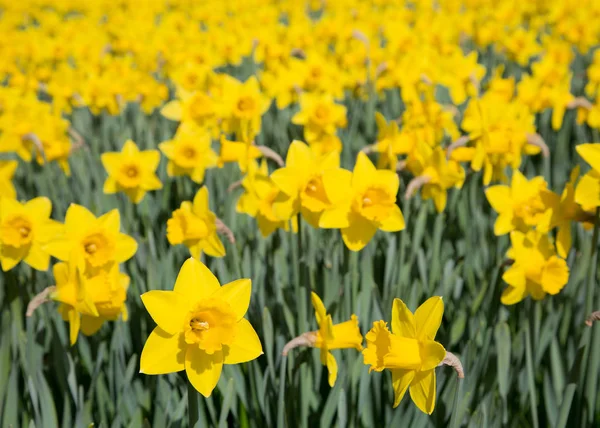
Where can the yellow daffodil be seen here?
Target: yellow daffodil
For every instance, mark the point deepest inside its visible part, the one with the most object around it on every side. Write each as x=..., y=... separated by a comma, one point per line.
x=92, y=243
x=200, y=327
x=587, y=193
x=244, y=104
x=536, y=270
x=328, y=337
x=259, y=199
x=409, y=351
x=87, y=302
x=521, y=205
x=361, y=202
x=189, y=153
x=562, y=212
x=334, y=336
x=437, y=173
x=242, y=152
x=24, y=231
x=301, y=180
x=7, y=170
x=196, y=107
x=320, y=116
x=131, y=171
x=193, y=225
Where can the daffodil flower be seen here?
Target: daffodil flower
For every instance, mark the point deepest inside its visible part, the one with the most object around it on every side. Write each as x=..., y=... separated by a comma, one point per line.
x=562, y=212
x=194, y=225
x=301, y=180
x=521, y=205
x=361, y=202
x=131, y=171
x=25, y=229
x=92, y=243
x=536, y=270
x=259, y=199
x=409, y=351
x=200, y=327
x=189, y=152
x=88, y=301
x=328, y=337
x=320, y=115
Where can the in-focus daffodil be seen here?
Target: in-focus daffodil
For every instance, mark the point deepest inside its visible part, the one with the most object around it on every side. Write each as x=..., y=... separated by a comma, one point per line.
x=200, y=327
x=409, y=351
x=131, y=171
x=361, y=202
x=194, y=225
x=25, y=229
x=328, y=337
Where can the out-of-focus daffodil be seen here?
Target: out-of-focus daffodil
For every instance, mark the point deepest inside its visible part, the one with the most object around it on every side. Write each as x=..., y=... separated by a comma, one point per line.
x=361, y=202
x=7, y=170
x=536, y=270
x=521, y=205
x=301, y=180
x=131, y=171
x=194, y=226
x=189, y=152
x=25, y=229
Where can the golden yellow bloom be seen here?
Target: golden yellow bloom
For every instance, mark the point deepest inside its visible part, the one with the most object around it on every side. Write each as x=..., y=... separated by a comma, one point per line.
x=131, y=171
x=244, y=152
x=193, y=225
x=7, y=170
x=329, y=336
x=562, y=212
x=409, y=351
x=88, y=301
x=438, y=173
x=301, y=180
x=320, y=116
x=92, y=243
x=536, y=270
x=521, y=205
x=361, y=202
x=201, y=326
x=196, y=107
x=189, y=152
x=24, y=230
x=259, y=199
x=243, y=105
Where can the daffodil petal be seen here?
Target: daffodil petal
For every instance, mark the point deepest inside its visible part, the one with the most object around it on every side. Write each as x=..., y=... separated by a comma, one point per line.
x=163, y=353
x=403, y=320
x=168, y=309
x=401, y=380
x=422, y=391
x=203, y=370
x=195, y=281
x=428, y=318
x=237, y=294
x=246, y=345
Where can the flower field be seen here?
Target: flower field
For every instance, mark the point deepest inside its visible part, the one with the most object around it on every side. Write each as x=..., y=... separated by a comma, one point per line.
x=299, y=213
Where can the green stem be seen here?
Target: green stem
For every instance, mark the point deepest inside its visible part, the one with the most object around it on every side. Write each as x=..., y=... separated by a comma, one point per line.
x=530, y=376
x=193, y=412
x=455, y=420
x=589, y=292
x=281, y=398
